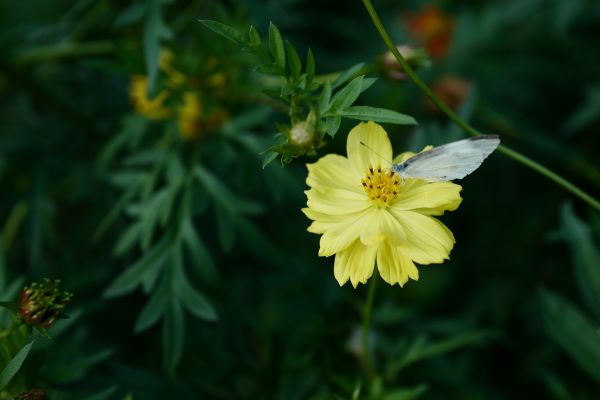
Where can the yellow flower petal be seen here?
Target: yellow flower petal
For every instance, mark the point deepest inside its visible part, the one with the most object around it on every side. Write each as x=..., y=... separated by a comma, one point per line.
x=341, y=235
x=355, y=263
x=421, y=195
x=333, y=171
x=394, y=266
x=382, y=226
x=428, y=241
x=376, y=153
x=336, y=201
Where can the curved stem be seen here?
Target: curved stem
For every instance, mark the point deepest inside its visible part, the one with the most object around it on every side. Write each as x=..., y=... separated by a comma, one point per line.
x=366, y=323
x=466, y=126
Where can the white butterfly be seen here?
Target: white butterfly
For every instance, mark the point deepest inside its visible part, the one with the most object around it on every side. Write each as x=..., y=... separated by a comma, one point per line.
x=454, y=160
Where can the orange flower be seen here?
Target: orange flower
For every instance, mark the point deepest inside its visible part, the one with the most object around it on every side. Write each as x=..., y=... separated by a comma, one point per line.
x=433, y=29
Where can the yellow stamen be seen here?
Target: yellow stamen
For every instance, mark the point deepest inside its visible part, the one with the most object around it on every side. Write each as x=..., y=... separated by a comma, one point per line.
x=381, y=185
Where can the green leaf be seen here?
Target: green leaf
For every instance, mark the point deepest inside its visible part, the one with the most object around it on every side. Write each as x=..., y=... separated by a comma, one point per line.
x=225, y=228
x=572, y=331
x=271, y=155
x=156, y=209
x=154, y=308
x=104, y=394
x=366, y=113
x=173, y=336
x=202, y=260
x=225, y=30
x=294, y=62
x=325, y=98
x=254, y=39
x=154, y=31
x=406, y=394
x=346, y=75
x=310, y=67
x=367, y=83
x=276, y=47
x=332, y=124
x=586, y=257
x=422, y=349
x=129, y=279
x=14, y=365
x=223, y=197
x=195, y=302
x=346, y=96
x=127, y=239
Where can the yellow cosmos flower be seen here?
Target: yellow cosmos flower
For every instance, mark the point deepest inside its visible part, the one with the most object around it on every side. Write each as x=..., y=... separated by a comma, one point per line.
x=150, y=108
x=192, y=121
x=367, y=215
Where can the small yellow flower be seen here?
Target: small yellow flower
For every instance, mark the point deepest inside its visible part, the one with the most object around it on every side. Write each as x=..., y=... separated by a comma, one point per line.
x=150, y=108
x=367, y=215
x=191, y=119
x=190, y=116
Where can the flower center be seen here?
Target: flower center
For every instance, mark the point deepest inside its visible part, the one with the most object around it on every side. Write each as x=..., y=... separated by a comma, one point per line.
x=381, y=185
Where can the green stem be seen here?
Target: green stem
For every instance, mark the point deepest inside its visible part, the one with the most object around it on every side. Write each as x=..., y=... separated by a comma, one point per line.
x=463, y=124
x=366, y=323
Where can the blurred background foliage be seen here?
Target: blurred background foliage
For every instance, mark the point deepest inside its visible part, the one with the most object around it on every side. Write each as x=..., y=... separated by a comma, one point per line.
x=131, y=153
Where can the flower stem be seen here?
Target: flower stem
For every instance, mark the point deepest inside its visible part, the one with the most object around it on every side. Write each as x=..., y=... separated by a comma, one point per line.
x=466, y=126
x=366, y=323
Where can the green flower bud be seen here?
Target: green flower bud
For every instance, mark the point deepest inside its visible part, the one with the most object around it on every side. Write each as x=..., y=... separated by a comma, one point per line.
x=302, y=135
x=40, y=304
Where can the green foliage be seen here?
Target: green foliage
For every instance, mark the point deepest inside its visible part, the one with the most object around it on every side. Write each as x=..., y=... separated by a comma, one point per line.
x=192, y=271
x=323, y=112
x=14, y=365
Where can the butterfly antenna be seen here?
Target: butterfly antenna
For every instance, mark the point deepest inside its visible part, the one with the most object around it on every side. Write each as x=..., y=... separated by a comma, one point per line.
x=382, y=157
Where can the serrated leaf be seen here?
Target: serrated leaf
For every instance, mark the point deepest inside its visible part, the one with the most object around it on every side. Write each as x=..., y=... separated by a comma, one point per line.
x=226, y=31
x=346, y=75
x=572, y=331
x=276, y=47
x=310, y=67
x=366, y=113
x=346, y=96
x=294, y=63
x=14, y=365
x=585, y=256
x=129, y=279
x=325, y=98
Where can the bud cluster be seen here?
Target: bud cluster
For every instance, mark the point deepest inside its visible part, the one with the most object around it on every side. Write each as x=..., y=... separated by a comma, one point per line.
x=41, y=303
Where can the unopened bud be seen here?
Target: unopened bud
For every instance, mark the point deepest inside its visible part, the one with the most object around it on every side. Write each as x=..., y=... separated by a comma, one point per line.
x=41, y=303
x=302, y=134
x=416, y=58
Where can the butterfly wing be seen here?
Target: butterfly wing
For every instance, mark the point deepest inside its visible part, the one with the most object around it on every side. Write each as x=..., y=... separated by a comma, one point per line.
x=451, y=161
